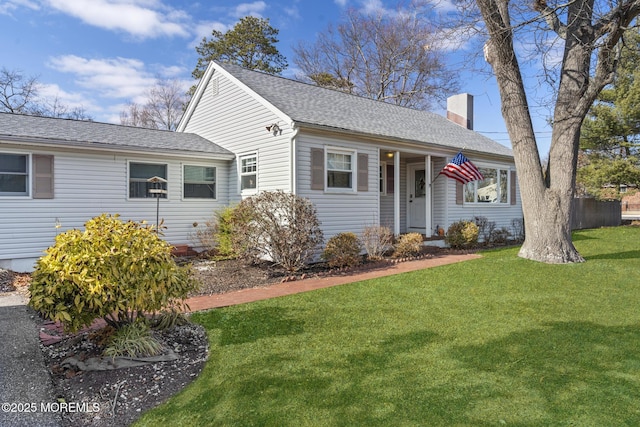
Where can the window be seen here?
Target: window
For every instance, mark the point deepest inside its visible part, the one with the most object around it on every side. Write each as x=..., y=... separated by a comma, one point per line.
x=199, y=182
x=139, y=174
x=340, y=167
x=334, y=170
x=14, y=174
x=383, y=177
x=492, y=189
x=248, y=172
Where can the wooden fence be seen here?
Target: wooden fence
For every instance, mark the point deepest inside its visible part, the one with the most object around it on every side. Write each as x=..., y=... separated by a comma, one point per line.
x=591, y=213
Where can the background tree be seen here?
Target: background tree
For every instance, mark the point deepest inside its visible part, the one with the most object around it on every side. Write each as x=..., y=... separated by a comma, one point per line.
x=251, y=43
x=19, y=93
x=55, y=108
x=610, y=137
x=387, y=57
x=603, y=177
x=165, y=104
x=612, y=125
x=590, y=31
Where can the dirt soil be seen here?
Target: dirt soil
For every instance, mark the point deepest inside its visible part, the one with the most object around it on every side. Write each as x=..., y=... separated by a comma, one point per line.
x=120, y=396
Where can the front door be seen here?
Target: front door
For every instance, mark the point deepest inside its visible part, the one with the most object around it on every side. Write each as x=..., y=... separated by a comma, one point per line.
x=417, y=190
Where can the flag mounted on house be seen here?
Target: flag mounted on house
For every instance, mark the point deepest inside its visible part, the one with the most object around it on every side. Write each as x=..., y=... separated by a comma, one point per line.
x=462, y=169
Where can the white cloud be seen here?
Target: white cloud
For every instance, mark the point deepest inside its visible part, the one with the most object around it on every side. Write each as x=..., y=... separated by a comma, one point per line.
x=170, y=72
x=341, y=3
x=203, y=30
x=249, y=9
x=122, y=78
x=140, y=18
x=9, y=6
x=70, y=100
x=373, y=7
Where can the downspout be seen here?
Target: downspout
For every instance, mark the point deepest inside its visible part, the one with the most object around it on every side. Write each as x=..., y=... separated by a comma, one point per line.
x=396, y=193
x=428, y=212
x=293, y=158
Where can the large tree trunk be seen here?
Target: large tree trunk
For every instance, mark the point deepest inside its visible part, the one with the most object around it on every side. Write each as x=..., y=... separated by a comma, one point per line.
x=547, y=202
x=547, y=210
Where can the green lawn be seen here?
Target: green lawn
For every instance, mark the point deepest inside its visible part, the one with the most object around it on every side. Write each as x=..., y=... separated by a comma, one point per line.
x=494, y=341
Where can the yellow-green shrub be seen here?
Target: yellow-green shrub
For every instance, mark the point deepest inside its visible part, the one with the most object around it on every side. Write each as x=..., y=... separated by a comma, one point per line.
x=115, y=270
x=409, y=244
x=343, y=250
x=462, y=234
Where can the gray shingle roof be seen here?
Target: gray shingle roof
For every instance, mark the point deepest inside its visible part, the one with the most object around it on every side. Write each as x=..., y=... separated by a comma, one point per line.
x=103, y=135
x=313, y=105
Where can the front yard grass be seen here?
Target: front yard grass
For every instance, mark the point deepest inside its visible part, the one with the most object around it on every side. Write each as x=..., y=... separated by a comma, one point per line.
x=494, y=341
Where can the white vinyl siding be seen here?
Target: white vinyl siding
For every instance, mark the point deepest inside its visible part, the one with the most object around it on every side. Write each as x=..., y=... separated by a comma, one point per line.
x=339, y=211
x=89, y=184
x=236, y=120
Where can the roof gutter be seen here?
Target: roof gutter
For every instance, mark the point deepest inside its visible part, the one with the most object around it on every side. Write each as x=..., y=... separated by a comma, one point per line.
x=100, y=146
x=397, y=141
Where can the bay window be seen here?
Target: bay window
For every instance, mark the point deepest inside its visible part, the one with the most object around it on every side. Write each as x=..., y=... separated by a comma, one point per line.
x=492, y=189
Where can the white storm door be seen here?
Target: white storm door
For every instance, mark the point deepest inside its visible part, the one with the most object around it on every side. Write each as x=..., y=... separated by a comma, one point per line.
x=417, y=192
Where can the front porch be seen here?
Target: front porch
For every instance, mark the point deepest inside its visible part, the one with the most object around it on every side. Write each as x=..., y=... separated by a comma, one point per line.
x=412, y=198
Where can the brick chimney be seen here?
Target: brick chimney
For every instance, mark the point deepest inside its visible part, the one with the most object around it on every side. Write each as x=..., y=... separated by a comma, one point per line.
x=460, y=110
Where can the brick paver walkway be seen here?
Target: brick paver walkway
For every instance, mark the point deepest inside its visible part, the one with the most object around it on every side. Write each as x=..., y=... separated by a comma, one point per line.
x=281, y=289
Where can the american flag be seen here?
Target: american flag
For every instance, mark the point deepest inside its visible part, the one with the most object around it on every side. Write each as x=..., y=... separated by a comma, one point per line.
x=462, y=170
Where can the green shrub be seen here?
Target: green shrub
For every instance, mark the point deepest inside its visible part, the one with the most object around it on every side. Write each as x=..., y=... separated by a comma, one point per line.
x=225, y=221
x=462, y=234
x=409, y=244
x=216, y=235
x=343, y=250
x=115, y=270
x=133, y=340
x=169, y=318
x=277, y=226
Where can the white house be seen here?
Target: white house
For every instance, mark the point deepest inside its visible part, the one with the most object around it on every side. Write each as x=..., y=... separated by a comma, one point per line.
x=56, y=172
x=361, y=162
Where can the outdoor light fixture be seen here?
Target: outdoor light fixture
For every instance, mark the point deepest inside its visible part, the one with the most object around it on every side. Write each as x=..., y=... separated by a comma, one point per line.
x=273, y=127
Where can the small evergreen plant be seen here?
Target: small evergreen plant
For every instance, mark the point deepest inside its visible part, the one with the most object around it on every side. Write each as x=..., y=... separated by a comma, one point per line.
x=462, y=234
x=409, y=244
x=113, y=270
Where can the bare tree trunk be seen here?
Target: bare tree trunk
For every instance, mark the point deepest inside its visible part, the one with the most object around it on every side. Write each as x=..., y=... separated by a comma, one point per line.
x=547, y=211
x=547, y=202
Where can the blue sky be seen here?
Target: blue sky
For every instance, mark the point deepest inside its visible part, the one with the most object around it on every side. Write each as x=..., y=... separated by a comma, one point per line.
x=101, y=54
